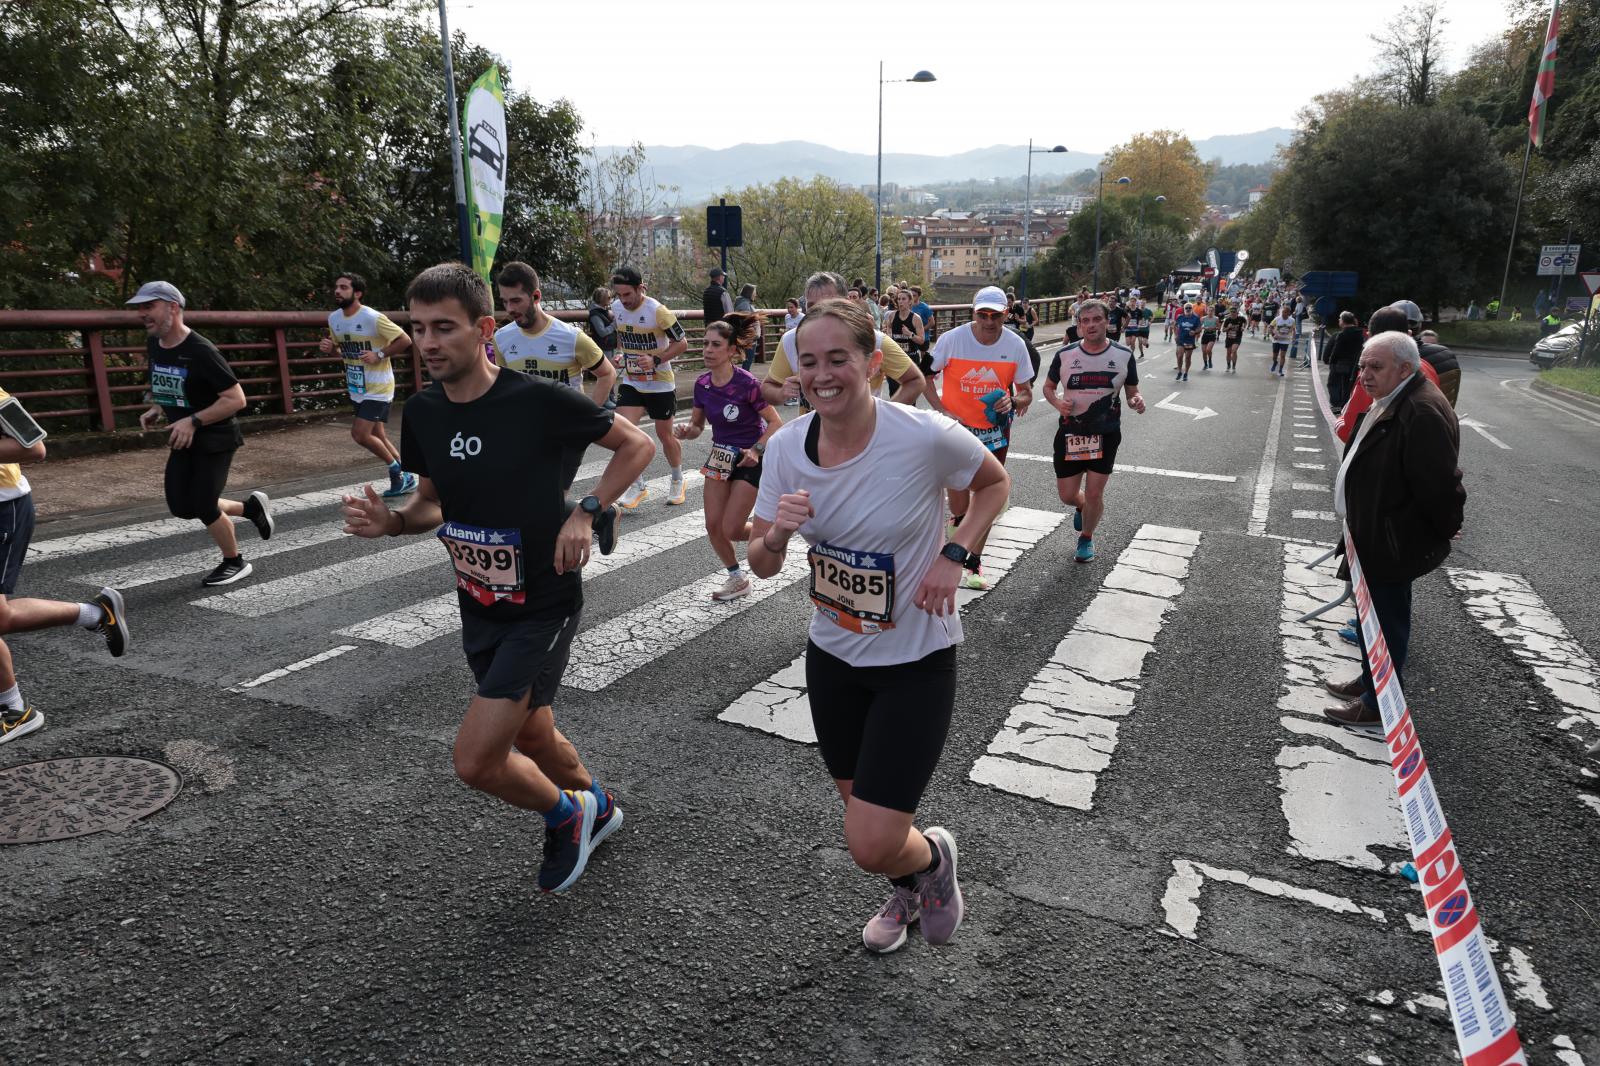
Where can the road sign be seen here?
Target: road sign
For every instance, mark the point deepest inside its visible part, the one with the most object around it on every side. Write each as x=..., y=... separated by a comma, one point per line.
x=1208, y=272
x=724, y=225
x=1591, y=278
x=1559, y=258
x=1330, y=283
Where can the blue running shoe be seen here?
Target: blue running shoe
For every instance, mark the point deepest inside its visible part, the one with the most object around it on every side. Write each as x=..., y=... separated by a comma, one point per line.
x=1352, y=634
x=1077, y=519
x=567, y=846
x=408, y=485
x=1085, y=553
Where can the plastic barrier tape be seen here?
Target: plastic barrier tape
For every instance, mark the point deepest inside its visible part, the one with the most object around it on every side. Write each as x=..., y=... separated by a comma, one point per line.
x=1486, y=1029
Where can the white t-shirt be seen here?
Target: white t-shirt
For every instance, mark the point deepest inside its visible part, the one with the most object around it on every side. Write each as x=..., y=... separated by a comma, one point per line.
x=1282, y=329
x=791, y=321
x=878, y=514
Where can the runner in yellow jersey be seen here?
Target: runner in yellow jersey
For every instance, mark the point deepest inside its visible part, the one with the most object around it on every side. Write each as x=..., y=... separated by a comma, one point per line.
x=366, y=339
x=103, y=613
x=782, y=384
x=650, y=337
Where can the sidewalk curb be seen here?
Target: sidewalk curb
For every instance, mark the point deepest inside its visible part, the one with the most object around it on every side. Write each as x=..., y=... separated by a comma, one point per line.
x=1573, y=395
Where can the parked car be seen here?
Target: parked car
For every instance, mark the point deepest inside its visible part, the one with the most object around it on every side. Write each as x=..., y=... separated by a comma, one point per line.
x=1559, y=348
x=1190, y=291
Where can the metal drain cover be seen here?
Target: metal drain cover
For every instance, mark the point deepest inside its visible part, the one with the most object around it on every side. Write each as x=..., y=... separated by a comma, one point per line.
x=62, y=798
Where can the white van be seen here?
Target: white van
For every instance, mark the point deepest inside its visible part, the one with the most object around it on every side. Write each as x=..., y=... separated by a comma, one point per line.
x=1190, y=292
x=1269, y=275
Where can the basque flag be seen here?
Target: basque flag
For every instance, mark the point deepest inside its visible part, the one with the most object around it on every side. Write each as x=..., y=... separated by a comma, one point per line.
x=1544, y=85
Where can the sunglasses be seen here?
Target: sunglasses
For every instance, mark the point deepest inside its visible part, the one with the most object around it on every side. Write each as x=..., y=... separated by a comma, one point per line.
x=990, y=315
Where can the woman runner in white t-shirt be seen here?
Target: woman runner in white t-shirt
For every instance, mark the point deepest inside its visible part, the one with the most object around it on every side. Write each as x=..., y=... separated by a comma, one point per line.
x=862, y=481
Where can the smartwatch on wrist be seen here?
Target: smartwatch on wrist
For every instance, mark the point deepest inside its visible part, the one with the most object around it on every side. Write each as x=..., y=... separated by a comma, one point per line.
x=759, y=448
x=590, y=505
x=955, y=553
x=197, y=423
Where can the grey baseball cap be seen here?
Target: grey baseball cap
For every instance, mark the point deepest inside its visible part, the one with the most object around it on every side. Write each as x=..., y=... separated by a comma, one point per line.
x=159, y=290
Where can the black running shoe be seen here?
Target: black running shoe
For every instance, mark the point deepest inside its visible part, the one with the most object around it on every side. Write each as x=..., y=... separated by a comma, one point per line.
x=605, y=529
x=227, y=572
x=255, y=509
x=567, y=846
x=18, y=722
x=115, y=624
x=607, y=823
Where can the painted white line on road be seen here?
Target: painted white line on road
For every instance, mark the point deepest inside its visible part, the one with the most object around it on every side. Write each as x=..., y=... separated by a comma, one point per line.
x=1482, y=430
x=1267, y=473
x=1315, y=516
x=196, y=563
x=779, y=704
x=1591, y=801
x=1311, y=466
x=440, y=616
x=1303, y=448
x=1189, y=474
x=1062, y=734
x=1523, y=387
x=1338, y=805
x=1311, y=486
x=292, y=668
x=1168, y=404
x=1181, y=900
x=1525, y=983
x=122, y=536
x=1567, y=1051
x=619, y=646
x=1306, y=436
x=1507, y=606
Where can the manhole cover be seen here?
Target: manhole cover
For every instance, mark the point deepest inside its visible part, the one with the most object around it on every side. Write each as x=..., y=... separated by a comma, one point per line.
x=62, y=798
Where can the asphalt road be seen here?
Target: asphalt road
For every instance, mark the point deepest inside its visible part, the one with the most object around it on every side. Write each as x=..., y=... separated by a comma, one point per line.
x=1202, y=874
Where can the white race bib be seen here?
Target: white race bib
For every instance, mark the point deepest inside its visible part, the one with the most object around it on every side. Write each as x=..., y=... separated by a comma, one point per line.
x=853, y=589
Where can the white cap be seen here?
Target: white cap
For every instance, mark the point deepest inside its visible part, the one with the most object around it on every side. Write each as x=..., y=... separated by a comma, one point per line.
x=991, y=298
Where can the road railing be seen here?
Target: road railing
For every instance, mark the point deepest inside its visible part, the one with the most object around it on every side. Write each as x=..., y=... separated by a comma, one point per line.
x=85, y=371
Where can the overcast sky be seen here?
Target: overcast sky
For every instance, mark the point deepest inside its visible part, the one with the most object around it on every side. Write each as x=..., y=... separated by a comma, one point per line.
x=1084, y=74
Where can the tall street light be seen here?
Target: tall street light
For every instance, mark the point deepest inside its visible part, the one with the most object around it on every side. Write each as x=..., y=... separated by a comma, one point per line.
x=1027, y=214
x=1138, y=237
x=1099, y=200
x=920, y=76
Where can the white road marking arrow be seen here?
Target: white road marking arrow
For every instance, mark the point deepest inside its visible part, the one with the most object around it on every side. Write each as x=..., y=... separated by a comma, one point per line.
x=1198, y=412
x=1483, y=431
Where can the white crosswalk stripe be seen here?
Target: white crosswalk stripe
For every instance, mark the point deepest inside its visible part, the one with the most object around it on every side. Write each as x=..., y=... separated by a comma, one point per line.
x=779, y=704
x=197, y=563
x=1056, y=742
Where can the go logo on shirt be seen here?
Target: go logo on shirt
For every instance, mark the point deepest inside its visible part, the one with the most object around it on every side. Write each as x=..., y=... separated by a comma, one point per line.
x=461, y=447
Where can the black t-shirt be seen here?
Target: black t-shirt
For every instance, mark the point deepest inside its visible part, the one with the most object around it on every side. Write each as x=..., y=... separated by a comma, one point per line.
x=1114, y=319
x=188, y=377
x=499, y=465
x=1233, y=327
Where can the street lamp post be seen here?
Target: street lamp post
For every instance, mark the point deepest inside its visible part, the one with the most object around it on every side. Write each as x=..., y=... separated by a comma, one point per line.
x=1138, y=239
x=920, y=76
x=1027, y=213
x=1099, y=200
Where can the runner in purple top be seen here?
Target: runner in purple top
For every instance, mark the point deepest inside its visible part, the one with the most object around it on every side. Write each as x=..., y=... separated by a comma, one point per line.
x=729, y=397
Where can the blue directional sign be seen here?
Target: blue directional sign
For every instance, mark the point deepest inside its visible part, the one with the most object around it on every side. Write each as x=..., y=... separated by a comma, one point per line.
x=1329, y=283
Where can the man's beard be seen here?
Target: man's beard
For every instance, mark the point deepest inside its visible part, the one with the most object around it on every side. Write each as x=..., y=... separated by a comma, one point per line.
x=344, y=305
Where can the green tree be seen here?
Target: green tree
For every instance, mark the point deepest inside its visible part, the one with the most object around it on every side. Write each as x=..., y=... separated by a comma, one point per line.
x=1161, y=163
x=1413, y=199
x=1069, y=264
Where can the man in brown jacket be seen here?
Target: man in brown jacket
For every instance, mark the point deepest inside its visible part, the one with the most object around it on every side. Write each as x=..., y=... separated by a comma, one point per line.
x=1399, y=491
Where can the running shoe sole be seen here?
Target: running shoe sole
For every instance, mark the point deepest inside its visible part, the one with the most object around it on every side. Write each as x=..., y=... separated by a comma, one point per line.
x=262, y=502
x=408, y=485
x=585, y=847
x=724, y=597
x=674, y=499
x=115, y=623
x=610, y=827
x=637, y=500
x=35, y=721
x=244, y=571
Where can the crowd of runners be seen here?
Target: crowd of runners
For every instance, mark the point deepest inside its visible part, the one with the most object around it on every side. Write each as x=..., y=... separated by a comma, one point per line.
x=889, y=478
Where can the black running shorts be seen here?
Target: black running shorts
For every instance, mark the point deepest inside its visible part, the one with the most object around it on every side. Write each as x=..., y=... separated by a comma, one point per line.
x=882, y=727
x=658, y=406
x=509, y=659
x=16, y=532
x=1102, y=465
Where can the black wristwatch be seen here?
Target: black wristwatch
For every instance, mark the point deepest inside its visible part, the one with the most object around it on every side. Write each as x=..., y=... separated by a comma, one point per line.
x=955, y=553
x=590, y=505
x=197, y=423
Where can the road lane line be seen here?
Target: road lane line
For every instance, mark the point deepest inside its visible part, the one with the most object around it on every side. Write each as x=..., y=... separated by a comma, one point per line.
x=1315, y=516
x=1523, y=387
x=1267, y=473
x=292, y=668
x=1192, y=475
x=1063, y=733
x=200, y=562
x=1181, y=900
x=779, y=704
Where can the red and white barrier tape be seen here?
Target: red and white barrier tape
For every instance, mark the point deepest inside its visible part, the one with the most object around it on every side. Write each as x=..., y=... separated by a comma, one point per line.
x=1486, y=1029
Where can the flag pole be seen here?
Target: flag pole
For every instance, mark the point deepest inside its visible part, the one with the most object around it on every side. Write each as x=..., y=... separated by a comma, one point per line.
x=1515, y=218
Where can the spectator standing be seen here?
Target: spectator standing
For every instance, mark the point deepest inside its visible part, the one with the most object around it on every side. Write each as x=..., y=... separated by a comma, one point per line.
x=603, y=328
x=1399, y=491
x=1344, y=351
x=791, y=314
x=1444, y=363
x=715, y=301
x=746, y=302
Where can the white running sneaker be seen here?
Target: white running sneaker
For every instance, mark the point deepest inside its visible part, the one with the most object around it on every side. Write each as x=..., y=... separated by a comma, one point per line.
x=677, y=491
x=737, y=585
x=634, y=496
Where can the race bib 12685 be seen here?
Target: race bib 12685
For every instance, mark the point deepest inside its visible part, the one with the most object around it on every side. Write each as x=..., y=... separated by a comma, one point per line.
x=853, y=589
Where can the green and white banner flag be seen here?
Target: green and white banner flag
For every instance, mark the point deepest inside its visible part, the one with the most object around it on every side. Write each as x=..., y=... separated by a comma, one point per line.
x=485, y=151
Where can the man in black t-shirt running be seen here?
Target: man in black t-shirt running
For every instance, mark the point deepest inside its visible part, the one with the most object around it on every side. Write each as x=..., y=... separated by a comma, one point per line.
x=195, y=388
x=488, y=446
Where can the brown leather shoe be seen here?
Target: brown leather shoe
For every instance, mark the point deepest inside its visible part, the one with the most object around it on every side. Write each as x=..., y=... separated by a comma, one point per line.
x=1346, y=690
x=1355, y=715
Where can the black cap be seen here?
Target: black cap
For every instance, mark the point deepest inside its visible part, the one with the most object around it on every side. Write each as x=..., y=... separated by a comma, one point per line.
x=627, y=275
x=718, y=272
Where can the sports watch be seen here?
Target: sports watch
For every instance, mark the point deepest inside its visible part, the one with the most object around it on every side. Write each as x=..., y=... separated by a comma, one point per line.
x=590, y=505
x=956, y=553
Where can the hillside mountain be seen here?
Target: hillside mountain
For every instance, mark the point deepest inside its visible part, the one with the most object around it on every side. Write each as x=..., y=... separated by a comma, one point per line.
x=701, y=172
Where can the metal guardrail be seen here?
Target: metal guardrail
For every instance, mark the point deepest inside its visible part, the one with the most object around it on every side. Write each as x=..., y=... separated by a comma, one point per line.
x=87, y=371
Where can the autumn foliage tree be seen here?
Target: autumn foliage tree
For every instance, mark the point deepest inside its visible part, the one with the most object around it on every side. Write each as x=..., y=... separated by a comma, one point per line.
x=1162, y=163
